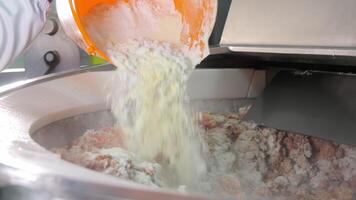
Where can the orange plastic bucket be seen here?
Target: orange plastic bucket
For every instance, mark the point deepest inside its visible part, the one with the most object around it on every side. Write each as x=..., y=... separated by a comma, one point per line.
x=196, y=14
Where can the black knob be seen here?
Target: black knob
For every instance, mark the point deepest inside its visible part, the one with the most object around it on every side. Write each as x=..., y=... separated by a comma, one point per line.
x=52, y=58
x=51, y=27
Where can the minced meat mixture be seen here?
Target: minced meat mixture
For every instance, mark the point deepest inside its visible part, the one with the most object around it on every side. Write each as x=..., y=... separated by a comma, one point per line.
x=244, y=160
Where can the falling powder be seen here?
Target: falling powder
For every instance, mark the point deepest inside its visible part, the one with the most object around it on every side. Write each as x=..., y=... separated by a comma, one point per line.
x=148, y=93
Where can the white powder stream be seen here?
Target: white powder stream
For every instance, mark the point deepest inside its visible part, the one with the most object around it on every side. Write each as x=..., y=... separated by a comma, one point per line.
x=151, y=106
x=149, y=101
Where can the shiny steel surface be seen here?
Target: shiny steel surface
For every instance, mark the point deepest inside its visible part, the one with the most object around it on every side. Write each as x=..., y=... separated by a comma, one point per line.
x=68, y=55
x=303, y=23
x=294, y=50
x=307, y=27
x=317, y=104
x=6, y=89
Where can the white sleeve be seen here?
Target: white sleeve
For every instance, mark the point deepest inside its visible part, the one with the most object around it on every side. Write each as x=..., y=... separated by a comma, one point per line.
x=20, y=22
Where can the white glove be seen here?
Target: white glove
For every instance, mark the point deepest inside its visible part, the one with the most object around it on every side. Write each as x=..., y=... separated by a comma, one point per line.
x=20, y=22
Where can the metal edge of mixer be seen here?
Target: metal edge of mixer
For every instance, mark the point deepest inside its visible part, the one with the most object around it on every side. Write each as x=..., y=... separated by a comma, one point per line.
x=227, y=48
x=68, y=188
x=6, y=89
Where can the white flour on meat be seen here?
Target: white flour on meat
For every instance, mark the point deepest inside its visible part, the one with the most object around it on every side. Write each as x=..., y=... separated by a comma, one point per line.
x=243, y=160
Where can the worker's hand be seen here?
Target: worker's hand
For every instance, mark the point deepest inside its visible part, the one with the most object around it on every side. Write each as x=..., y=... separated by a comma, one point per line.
x=20, y=23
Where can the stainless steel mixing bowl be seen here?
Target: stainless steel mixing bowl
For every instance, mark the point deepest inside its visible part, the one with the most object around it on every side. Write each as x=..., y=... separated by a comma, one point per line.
x=50, y=112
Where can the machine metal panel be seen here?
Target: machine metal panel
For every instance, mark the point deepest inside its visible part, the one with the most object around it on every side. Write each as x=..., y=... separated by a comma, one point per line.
x=316, y=104
x=316, y=24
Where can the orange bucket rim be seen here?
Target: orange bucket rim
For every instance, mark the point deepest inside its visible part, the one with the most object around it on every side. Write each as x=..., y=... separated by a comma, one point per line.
x=92, y=49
